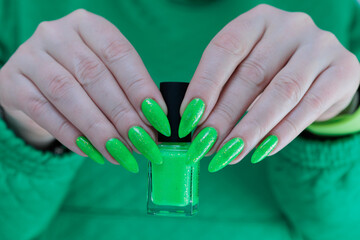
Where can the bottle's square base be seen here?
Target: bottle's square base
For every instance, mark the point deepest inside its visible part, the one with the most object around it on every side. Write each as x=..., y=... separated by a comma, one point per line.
x=175, y=211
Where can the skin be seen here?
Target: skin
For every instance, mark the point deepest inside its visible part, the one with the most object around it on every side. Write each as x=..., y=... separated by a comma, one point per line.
x=77, y=76
x=309, y=77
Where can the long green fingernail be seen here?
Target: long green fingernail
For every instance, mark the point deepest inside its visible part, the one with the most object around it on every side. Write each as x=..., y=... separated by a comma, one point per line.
x=264, y=149
x=156, y=116
x=122, y=155
x=191, y=116
x=201, y=145
x=226, y=154
x=85, y=145
x=145, y=144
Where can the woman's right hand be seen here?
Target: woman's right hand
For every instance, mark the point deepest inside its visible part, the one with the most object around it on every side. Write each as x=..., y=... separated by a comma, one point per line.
x=79, y=76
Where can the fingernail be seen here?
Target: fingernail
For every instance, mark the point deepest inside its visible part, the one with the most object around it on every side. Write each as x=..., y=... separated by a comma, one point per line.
x=145, y=144
x=85, y=145
x=122, y=155
x=264, y=149
x=226, y=154
x=191, y=116
x=201, y=145
x=156, y=116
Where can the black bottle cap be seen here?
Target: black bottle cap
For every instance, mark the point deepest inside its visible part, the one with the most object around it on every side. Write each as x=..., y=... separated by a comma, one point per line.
x=173, y=94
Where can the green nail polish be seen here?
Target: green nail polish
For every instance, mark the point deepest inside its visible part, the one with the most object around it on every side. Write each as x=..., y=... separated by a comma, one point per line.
x=226, y=154
x=201, y=145
x=264, y=149
x=145, y=144
x=191, y=116
x=85, y=145
x=122, y=155
x=156, y=116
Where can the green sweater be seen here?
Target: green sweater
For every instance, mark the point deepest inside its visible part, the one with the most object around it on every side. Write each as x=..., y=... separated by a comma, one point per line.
x=309, y=190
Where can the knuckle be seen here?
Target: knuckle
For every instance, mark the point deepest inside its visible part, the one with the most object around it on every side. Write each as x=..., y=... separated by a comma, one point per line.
x=301, y=18
x=135, y=83
x=36, y=105
x=46, y=29
x=118, y=113
x=325, y=38
x=228, y=43
x=207, y=81
x=226, y=112
x=253, y=128
x=116, y=50
x=97, y=126
x=330, y=36
x=24, y=49
x=58, y=86
x=89, y=71
x=315, y=101
x=62, y=128
x=291, y=128
x=263, y=8
x=253, y=73
x=352, y=61
x=81, y=13
x=288, y=87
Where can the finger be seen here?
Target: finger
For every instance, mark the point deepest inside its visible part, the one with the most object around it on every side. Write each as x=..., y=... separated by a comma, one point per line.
x=98, y=83
x=281, y=95
x=122, y=60
x=220, y=58
x=249, y=79
x=31, y=101
x=327, y=92
x=67, y=96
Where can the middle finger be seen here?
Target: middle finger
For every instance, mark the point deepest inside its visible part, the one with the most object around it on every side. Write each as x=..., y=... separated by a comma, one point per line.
x=99, y=83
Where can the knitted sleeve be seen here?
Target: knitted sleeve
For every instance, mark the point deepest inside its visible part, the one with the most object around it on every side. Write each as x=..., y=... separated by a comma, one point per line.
x=317, y=182
x=33, y=184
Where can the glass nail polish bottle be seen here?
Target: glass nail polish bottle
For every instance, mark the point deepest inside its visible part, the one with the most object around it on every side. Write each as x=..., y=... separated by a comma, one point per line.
x=173, y=187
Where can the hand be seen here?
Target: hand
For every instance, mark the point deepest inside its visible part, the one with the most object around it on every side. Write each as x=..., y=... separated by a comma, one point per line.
x=281, y=64
x=79, y=76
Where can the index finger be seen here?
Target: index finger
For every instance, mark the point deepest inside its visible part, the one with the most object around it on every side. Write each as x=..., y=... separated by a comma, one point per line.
x=222, y=56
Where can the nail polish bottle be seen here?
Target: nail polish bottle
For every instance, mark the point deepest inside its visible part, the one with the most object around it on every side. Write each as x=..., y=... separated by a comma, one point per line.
x=173, y=186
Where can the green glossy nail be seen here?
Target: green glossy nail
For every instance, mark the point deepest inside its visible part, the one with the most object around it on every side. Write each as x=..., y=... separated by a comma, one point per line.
x=156, y=116
x=226, y=154
x=201, y=145
x=191, y=116
x=122, y=155
x=264, y=149
x=85, y=145
x=145, y=144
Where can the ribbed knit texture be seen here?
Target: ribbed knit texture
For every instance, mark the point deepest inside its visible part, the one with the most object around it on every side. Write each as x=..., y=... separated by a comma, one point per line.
x=324, y=154
x=24, y=158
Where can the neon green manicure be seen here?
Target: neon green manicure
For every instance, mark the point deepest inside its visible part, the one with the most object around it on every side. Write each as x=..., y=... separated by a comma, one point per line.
x=264, y=149
x=85, y=145
x=201, y=145
x=226, y=154
x=122, y=155
x=191, y=116
x=145, y=144
x=156, y=116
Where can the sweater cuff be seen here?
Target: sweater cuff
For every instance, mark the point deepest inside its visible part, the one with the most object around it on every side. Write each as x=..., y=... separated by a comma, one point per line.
x=16, y=154
x=323, y=154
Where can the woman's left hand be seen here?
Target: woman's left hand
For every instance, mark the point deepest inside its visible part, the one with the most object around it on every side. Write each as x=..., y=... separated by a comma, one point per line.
x=296, y=72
